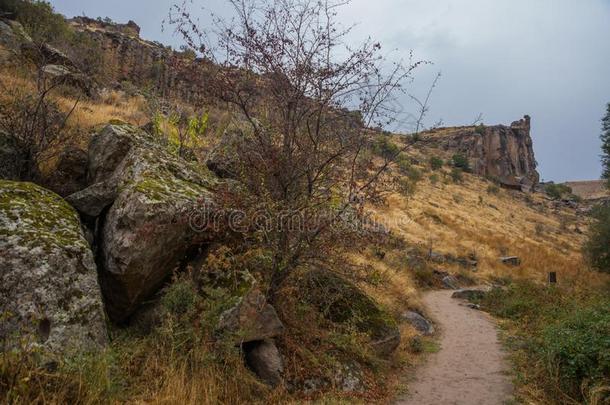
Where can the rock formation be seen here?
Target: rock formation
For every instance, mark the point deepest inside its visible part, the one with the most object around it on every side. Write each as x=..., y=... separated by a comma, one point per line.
x=146, y=195
x=144, y=63
x=49, y=292
x=504, y=153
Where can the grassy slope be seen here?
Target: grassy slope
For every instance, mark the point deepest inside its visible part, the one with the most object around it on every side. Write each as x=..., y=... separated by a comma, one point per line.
x=459, y=219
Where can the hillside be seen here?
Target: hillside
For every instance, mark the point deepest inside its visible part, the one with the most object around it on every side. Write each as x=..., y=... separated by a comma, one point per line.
x=163, y=243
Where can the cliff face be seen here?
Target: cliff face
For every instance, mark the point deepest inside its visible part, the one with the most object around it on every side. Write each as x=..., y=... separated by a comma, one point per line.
x=502, y=152
x=145, y=64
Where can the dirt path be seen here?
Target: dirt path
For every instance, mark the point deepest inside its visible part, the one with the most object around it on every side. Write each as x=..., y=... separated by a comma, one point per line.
x=470, y=368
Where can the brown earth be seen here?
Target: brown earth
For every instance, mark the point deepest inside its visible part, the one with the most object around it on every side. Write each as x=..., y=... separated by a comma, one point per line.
x=470, y=367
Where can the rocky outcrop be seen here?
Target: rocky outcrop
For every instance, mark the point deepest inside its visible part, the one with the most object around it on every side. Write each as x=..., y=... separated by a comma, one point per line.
x=145, y=195
x=504, y=153
x=48, y=281
x=145, y=63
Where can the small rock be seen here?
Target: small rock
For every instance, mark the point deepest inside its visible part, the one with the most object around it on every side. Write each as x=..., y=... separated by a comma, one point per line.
x=511, y=260
x=251, y=319
x=450, y=282
x=418, y=322
x=92, y=200
x=349, y=378
x=265, y=360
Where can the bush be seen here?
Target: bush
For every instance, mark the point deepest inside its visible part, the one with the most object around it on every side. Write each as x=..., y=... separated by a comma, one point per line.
x=493, y=189
x=561, y=338
x=460, y=161
x=456, y=175
x=385, y=148
x=436, y=163
x=597, y=247
x=39, y=20
x=37, y=124
x=480, y=129
x=577, y=347
x=434, y=178
x=557, y=191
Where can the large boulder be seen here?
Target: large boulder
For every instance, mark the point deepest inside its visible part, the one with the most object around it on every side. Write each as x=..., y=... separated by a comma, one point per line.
x=341, y=301
x=49, y=289
x=150, y=194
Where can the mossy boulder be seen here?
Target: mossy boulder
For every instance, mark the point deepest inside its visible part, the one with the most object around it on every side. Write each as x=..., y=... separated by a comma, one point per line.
x=341, y=301
x=49, y=292
x=146, y=229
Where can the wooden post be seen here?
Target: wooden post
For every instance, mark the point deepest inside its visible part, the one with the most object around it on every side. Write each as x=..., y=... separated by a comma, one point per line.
x=552, y=278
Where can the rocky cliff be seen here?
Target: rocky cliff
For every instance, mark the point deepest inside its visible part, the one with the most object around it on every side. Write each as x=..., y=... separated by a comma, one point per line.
x=145, y=64
x=502, y=152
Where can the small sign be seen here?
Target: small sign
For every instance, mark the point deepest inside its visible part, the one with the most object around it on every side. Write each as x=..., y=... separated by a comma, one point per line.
x=553, y=277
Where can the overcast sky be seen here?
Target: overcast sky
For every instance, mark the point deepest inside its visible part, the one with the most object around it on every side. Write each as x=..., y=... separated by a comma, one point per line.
x=502, y=58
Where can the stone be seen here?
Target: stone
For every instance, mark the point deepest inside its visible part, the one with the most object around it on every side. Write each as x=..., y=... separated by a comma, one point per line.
x=469, y=294
x=56, y=70
x=349, y=378
x=94, y=199
x=222, y=159
x=420, y=323
x=146, y=231
x=251, y=319
x=265, y=360
x=511, y=261
x=450, y=282
x=49, y=292
x=501, y=152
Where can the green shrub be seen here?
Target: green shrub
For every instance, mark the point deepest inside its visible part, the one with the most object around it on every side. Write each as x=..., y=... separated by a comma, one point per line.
x=493, y=189
x=577, y=347
x=480, y=129
x=460, y=161
x=557, y=191
x=561, y=338
x=456, y=175
x=385, y=148
x=434, y=178
x=39, y=19
x=597, y=246
x=436, y=163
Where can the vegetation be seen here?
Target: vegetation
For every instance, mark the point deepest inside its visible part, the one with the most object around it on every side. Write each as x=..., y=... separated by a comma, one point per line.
x=38, y=18
x=299, y=145
x=557, y=191
x=456, y=175
x=493, y=189
x=436, y=163
x=605, y=138
x=597, y=247
x=560, y=339
x=461, y=162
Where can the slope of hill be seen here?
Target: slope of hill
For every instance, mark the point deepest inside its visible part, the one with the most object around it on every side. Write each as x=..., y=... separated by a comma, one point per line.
x=458, y=216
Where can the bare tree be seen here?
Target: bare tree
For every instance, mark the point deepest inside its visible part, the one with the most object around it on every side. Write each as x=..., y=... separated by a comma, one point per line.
x=307, y=103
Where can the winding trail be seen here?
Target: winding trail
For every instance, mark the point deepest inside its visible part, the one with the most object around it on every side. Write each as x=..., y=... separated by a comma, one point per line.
x=469, y=368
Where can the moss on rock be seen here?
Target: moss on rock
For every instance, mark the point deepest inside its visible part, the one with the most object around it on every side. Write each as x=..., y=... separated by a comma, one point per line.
x=38, y=218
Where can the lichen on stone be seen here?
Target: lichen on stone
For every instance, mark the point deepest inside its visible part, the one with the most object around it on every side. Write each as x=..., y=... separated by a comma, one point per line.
x=31, y=216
